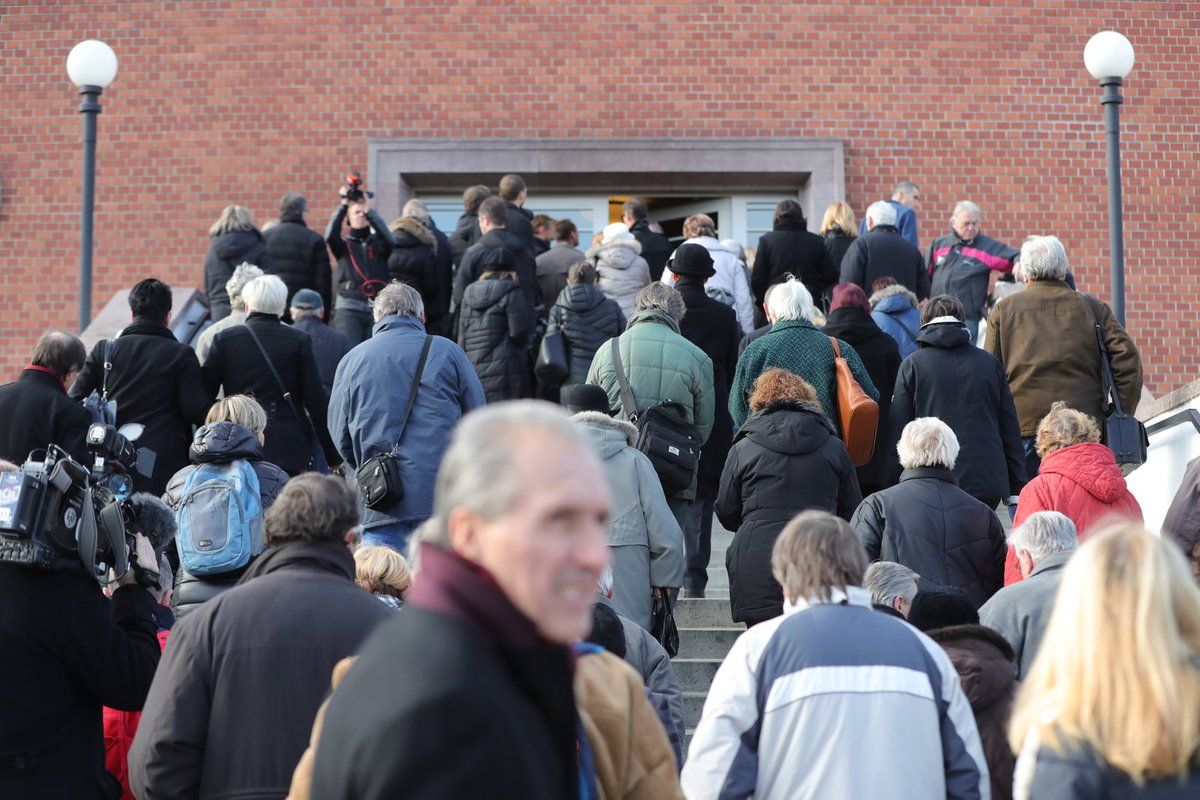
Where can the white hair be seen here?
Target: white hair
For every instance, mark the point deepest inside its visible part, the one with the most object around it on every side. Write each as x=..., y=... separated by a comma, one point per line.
x=243, y=273
x=266, y=294
x=967, y=206
x=416, y=209
x=1043, y=258
x=398, y=300
x=791, y=300
x=927, y=442
x=887, y=580
x=605, y=585
x=1045, y=533
x=882, y=212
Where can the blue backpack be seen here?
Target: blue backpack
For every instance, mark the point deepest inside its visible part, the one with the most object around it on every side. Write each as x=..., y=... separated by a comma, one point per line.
x=220, y=518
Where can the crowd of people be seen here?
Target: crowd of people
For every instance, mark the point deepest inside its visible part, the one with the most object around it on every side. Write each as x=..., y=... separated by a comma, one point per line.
x=422, y=504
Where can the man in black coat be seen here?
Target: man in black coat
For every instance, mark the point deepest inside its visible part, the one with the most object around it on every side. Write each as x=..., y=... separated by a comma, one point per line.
x=519, y=221
x=468, y=692
x=791, y=248
x=297, y=253
x=882, y=252
x=493, y=219
x=713, y=327
x=656, y=248
x=231, y=708
x=965, y=387
x=362, y=259
x=329, y=346
x=68, y=652
x=35, y=407
x=466, y=232
x=155, y=380
x=296, y=410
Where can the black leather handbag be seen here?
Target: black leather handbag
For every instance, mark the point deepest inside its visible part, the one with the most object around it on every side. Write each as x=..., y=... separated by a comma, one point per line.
x=1124, y=433
x=553, y=364
x=379, y=477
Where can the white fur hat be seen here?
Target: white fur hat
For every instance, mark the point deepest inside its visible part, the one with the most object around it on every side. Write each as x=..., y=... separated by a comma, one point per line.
x=616, y=232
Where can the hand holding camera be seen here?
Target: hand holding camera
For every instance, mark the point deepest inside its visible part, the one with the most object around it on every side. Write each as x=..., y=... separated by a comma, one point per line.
x=352, y=191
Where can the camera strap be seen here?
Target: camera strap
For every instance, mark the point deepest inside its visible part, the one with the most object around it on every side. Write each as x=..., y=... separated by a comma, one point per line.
x=301, y=417
x=362, y=277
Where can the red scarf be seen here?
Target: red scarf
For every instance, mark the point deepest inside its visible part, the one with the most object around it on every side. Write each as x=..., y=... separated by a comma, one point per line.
x=58, y=378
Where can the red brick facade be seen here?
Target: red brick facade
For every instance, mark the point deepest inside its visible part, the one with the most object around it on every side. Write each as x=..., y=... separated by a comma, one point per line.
x=220, y=102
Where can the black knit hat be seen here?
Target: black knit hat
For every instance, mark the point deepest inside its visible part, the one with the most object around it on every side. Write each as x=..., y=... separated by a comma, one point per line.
x=694, y=260
x=586, y=397
x=940, y=607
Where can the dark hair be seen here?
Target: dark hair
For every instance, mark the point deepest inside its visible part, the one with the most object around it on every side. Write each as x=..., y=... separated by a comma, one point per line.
x=942, y=606
x=636, y=208
x=292, y=205
x=607, y=630
x=150, y=298
x=495, y=210
x=473, y=196
x=541, y=221
x=789, y=211
x=511, y=187
x=882, y=283
x=582, y=272
x=564, y=229
x=58, y=351
x=942, y=305
x=311, y=508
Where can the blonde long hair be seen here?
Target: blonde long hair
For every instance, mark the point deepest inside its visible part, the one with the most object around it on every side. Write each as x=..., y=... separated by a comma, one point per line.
x=1118, y=671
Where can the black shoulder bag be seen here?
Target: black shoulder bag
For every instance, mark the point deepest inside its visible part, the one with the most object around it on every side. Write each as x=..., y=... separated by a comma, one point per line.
x=1124, y=433
x=103, y=410
x=309, y=433
x=665, y=435
x=379, y=476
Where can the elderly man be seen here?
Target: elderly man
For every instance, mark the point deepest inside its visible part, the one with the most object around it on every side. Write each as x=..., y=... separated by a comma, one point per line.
x=367, y=407
x=883, y=252
x=892, y=586
x=1020, y=612
x=329, y=345
x=794, y=343
x=468, y=693
x=35, y=407
x=242, y=275
x=1045, y=338
x=832, y=699
x=234, y=698
x=906, y=202
x=928, y=524
x=965, y=262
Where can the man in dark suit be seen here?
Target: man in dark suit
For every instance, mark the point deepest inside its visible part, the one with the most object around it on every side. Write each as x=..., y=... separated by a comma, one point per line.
x=35, y=407
x=655, y=246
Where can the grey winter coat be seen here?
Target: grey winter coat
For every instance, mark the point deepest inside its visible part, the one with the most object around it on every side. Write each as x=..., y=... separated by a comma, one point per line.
x=1021, y=610
x=587, y=319
x=646, y=655
x=643, y=536
x=494, y=325
x=623, y=272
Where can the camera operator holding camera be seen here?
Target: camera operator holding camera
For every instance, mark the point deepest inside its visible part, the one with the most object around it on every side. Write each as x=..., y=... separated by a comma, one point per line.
x=362, y=258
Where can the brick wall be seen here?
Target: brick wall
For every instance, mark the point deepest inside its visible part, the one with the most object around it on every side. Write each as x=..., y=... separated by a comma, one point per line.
x=220, y=102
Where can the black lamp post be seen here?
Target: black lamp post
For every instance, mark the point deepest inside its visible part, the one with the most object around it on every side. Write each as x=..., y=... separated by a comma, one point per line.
x=92, y=65
x=1109, y=57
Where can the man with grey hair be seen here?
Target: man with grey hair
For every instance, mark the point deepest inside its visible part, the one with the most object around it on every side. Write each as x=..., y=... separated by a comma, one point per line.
x=906, y=202
x=883, y=252
x=1045, y=338
x=367, y=407
x=297, y=253
x=275, y=364
x=1020, y=611
x=242, y=275
x=892, y=586
x=965, y=263
x=930, y=525
x=479, y=663
x=832, y=699
x=329, y=345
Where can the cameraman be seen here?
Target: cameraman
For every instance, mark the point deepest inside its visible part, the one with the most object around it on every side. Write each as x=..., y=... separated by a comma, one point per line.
x=68, y=651
x=362, y=258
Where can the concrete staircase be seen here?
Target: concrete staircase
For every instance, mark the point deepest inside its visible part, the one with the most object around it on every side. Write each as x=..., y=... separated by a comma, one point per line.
x=706, y=633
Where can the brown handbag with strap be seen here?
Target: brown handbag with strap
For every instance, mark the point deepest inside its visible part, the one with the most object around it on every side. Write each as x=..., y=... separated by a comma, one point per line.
x=858, y=414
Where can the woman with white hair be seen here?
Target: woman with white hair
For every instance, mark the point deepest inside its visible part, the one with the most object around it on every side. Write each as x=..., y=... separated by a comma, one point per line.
x=234, y=240
x=928, y=524
x=622, y=270
x=1111, y=706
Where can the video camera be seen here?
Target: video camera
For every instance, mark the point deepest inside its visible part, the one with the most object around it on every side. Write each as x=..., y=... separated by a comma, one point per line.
x=57, y=514
x=354, y=188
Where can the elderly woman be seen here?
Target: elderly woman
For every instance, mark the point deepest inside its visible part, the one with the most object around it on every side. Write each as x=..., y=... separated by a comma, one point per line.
x=242, y=275
x=234, y=240
x=728, y=284
x=794, y=343
x=928, y=524
x=786, y=458
x=892, y=586
x=622, y=270
x=1078, y=477
x=1111, y=706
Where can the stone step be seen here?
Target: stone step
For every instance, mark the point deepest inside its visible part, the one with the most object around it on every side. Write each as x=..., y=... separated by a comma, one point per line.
x=707, y=642
x=718, y=576
x=693, y=705
x=711, y=612
x=695, y=674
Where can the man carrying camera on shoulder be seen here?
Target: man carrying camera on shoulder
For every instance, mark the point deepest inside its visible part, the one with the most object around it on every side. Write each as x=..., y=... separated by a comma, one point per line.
x=362, y=258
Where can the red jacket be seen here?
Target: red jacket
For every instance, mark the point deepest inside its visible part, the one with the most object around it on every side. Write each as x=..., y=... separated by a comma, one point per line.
x=1082, y=481
x=119, y=728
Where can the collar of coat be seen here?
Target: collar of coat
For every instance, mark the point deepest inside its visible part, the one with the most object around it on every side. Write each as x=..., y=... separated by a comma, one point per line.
x=850, y=596
x=788, y=324
x=599, y=419
x=418, y=230
x=1051, y=563
x=652, y=316
x=940, y=473
x=332, y=557
x=144, y=326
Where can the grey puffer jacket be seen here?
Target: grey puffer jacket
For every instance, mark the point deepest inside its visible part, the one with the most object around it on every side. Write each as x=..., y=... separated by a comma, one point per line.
x=587, y=319
x=623, y=271
x=219, y=443
x=493, y=328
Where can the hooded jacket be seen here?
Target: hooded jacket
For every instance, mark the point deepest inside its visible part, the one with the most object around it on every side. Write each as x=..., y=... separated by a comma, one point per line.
x=951, y=379
x=414, y=259
x=225, y=252
x=219, y=443
x=728, y=284
x=644, y=539
x=786, y=458
x=934, y=528
x=466, y=233
x=623, y=272
x=494, y=324
x=587, y=319
x=298, y=256
x=1082, y=481
x=883, y=252
x=792, y=248
x=894, y=309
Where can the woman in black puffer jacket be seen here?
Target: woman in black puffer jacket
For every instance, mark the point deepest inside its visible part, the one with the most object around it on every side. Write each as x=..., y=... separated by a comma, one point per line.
x=235, y=240
x=234, y=429
x=786, y=458
x=494, y=325
x=586, y=317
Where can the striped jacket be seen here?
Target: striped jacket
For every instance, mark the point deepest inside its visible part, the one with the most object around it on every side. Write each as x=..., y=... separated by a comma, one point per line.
x=836, y=700
x=961, y=268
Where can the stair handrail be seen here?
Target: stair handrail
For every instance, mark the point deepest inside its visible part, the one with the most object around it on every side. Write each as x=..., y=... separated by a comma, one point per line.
x=1180, y=418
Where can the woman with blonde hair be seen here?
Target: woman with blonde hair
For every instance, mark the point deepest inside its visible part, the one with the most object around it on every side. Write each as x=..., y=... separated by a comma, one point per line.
x=1078, y=477
x=234, y=240
x=839, y=229
x=1111, y=706
x=786, y=458
x=384, y=573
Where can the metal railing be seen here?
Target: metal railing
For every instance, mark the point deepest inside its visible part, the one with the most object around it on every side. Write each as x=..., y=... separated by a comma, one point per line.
x=1183, y=417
